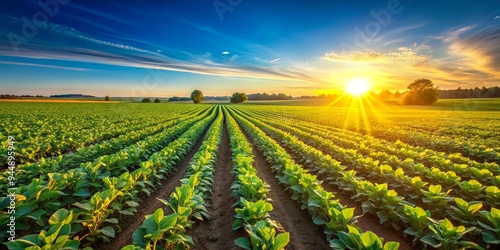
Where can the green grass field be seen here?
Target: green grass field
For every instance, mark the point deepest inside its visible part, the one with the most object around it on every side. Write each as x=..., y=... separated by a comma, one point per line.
x=346, y=170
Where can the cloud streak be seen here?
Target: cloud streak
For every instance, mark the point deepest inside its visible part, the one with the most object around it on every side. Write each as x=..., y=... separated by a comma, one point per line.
x=73, y=45
x=403, y=56
x=44, y=66
x=275, y=60
x=480, y=50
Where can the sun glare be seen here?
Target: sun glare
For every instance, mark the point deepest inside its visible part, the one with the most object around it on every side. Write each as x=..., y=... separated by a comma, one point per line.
x=357, y=86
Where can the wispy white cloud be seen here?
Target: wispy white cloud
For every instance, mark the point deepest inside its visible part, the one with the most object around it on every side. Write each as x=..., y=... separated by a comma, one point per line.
x=44, y=66
x=128, y=57
x=117, y=45
x=396, y=34
x=225, y=52
x=234, y=57
x=454, y=34
x=398, y=40
x=403, y=56
x=419, y=47
x=100, y=14
x=66, y=31
x=275, y=60
x=480, y=51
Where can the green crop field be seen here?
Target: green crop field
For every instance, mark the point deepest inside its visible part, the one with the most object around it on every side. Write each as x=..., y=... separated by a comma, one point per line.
x=259, y=175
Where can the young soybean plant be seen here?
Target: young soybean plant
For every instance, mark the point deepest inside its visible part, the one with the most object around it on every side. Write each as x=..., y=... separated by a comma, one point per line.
x=356, y=239
x=263, y=236
x=446, y=236
x=159, y=229
x=491, y=233
x=57, y=237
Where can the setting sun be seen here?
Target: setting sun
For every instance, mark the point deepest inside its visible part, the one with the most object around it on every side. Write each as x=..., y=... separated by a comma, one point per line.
x=358, y=86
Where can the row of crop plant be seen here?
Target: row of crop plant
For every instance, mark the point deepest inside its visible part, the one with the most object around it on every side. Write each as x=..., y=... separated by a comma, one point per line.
x=253, y=205
x=189, y=201
x=26, y=172
x=338, y=221
x=378, y=199
x=95, y=217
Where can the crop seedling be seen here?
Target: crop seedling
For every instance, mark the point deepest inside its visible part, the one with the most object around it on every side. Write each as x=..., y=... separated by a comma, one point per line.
x=446, y=236
x=263, y=236
x=491, y=233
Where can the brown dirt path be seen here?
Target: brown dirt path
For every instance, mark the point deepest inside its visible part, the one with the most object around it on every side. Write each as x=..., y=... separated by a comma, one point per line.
x=130, y=223
x=304, y=234
x=217, y=233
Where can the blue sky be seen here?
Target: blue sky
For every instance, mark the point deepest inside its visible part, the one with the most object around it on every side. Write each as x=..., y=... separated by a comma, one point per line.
x=166, y=48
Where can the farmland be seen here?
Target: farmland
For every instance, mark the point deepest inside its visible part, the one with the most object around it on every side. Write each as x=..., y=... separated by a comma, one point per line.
x=258, y=175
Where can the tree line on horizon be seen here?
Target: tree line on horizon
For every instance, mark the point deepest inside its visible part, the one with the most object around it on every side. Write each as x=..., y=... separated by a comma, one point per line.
x=484, y=92
x=419, y=92
x=266, y=96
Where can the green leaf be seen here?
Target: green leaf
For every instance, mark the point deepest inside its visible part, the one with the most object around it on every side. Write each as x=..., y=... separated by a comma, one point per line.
x=391, y=245
x=24, y=209
x=435, y=188
x=281, y=241
x=370, y=239
x=428, y=239
x=411, y=231
x=112, y=220
x=138, y=237
x=238, y=223
x=84, y=206
x=243, y=243
x=24, y=242
x=132, y=204
x=348, y=213
x=72, y=245
x=131, y=247
x=490, y=239
x=82, y=192
x=61, y=216
x=37, y=215
x=128, y=211
x=495, y=213
x=169, y=221
x=108, y=231
x=319, y=220
x=50, y=236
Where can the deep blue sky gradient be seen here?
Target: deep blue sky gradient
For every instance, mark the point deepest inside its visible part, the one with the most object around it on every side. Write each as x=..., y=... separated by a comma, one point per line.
x=166, y=48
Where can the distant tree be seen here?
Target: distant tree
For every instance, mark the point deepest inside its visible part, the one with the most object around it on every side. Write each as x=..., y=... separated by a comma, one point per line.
x=239, y=97
x=157, y=100
x=147, y=100
x=484, y=92
x=7, y=96
x=265, y=96
x=421, y=92
x=385, y=94
x=222, y=98
x=397, y=95
x=106, y=98
x=173, y=99
x=197, y=96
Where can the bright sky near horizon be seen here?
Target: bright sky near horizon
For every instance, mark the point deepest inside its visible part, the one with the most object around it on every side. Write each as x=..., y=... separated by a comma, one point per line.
x=167, y=48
